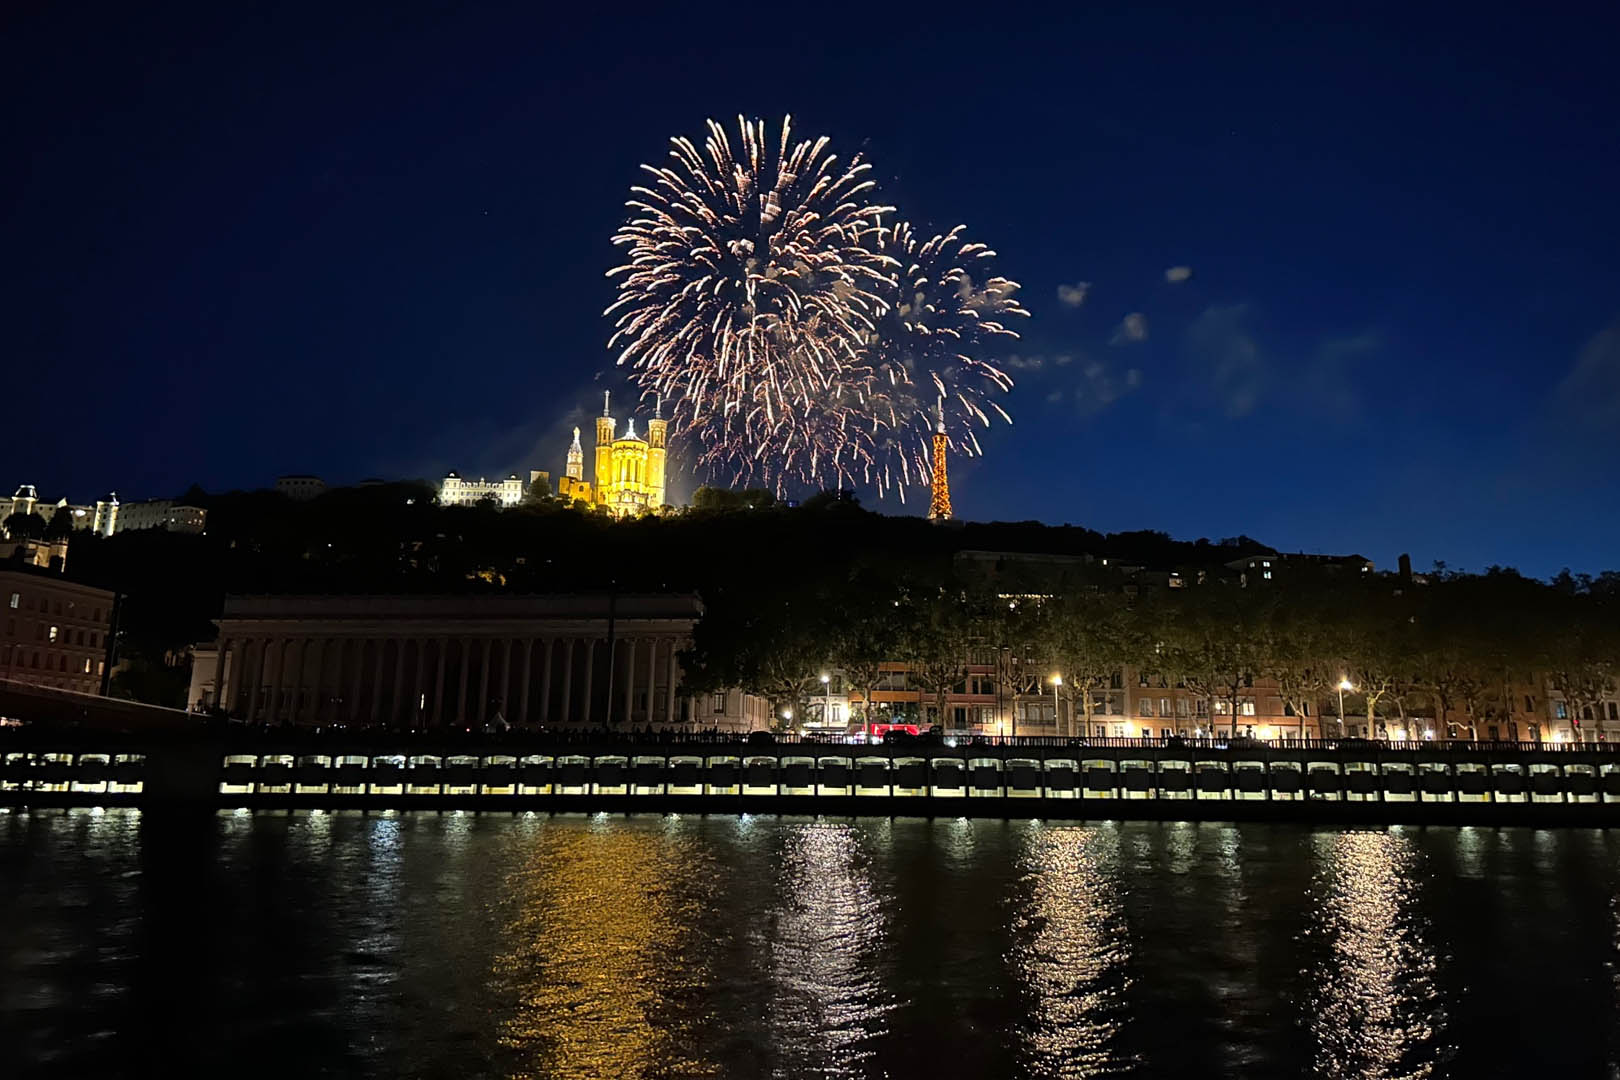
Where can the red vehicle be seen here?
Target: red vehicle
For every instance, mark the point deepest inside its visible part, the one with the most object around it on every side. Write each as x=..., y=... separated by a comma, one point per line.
x=880, y=730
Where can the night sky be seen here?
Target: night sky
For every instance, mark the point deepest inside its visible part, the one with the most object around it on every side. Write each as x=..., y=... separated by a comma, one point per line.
x=316, y=240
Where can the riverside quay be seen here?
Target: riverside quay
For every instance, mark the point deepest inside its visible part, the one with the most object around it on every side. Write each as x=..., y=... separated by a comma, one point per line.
x=1332, y=780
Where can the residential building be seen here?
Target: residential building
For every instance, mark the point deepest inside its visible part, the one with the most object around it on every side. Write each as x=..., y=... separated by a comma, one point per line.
x=300, y=486
x=164, y=514
x=36, y=552
x=53, y=632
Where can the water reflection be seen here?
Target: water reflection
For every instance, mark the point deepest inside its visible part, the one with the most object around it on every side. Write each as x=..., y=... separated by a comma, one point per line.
x=597, y=962
x=1374, y=1008
x=828, y=1002
x=1073, y=944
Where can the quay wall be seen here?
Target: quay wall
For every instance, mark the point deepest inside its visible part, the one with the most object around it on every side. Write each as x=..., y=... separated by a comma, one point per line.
x=1330, y=781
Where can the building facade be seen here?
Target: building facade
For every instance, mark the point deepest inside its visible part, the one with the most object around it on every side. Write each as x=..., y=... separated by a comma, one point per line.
x=166, y=514
x=100, y=517
x=454, y=490
x=53, y=632
x=629, y=471
x=460, y=661
x=300, y=486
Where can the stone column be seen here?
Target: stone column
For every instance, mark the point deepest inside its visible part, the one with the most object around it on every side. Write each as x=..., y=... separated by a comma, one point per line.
x=506, y=679
x=670, y=694
x=438, y=684
x=523, y=691
x=339, y=646
x=312, y=676
x=222, y=652
x=251, y=661
x=295, y=675
x=590, y=661
x=416, y=684
x=274, y=674
x=568, y=679
x=483, y=680
x=359, y=674
x=545, y=680
x=652, y=676
x=376, y=680
x=399, y=681
x=629, y=680
x=461, y=683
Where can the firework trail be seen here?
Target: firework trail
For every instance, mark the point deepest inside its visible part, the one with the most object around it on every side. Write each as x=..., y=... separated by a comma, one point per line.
x=797, y=336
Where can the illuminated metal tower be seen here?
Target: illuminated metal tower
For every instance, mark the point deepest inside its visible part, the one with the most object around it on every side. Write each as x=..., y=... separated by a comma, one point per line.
x=939, y=506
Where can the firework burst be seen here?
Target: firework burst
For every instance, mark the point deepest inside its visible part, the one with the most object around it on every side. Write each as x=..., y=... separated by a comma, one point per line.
x=795, y=335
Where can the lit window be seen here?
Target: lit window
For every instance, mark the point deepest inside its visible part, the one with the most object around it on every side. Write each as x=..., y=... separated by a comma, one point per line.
x=53, y=633
x=16, y=600
x=1560, y=711
x=1144, y=707
x=1248, y=708
x=87, y=665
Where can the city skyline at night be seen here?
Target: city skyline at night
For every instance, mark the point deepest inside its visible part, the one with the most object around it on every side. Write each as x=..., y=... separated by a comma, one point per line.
x=1366, y=313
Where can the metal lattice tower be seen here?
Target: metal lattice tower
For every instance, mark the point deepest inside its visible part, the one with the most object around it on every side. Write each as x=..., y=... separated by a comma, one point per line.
x=939, y=506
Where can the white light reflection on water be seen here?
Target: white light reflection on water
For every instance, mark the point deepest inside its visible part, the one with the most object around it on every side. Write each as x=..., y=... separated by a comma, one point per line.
x=828, y=1004
x=1071, y=951
x=1374, y=1009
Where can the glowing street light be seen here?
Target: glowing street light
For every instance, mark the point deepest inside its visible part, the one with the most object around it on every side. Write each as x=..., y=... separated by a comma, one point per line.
x=826, y=692
x=1057, y=681
x=1344, y=684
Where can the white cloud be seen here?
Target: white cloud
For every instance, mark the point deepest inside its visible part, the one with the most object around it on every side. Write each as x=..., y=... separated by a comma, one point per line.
x=1024, y=363
x=1073, y=295
x=1177, y=274
x=1132, y=328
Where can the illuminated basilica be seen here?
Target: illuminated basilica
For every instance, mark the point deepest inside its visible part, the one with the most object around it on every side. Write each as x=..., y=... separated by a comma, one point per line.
x=629, y=474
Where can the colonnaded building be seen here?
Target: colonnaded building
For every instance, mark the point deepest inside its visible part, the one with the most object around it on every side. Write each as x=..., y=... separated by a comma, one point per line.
x=461, y=661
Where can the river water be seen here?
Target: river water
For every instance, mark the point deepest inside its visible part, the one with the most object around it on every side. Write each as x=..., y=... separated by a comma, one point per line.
x=468, y=945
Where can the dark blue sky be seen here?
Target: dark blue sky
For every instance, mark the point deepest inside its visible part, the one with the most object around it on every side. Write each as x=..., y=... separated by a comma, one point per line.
x=373, y=244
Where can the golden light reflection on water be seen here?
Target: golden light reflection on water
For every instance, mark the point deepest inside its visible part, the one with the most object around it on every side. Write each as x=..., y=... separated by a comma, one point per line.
x=1073, y=944
x=596, y=959
x=828, y=1003
x=1374, y=1008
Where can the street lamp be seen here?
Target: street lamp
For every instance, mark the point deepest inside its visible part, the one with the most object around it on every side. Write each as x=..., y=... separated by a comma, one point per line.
x=1344, y=684
x=1057, y=681
x=826, y=692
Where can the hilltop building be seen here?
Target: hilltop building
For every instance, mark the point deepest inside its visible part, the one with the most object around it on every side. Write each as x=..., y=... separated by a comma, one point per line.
x=628, y=477
x=100, y=517
x=300, y=486
x=455, y=491
x=165, y=514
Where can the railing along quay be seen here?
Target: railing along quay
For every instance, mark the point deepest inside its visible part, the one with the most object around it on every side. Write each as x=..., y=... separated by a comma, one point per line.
x=1333, y=779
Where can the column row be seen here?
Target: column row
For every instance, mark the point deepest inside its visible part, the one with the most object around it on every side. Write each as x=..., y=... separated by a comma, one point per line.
x=451, y=681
